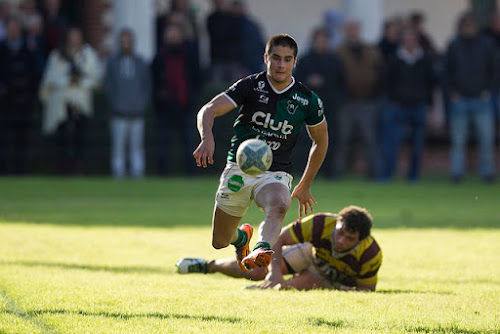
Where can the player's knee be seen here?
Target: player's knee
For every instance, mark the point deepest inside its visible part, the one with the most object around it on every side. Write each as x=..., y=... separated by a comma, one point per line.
x=219, y=243
x=278, y=208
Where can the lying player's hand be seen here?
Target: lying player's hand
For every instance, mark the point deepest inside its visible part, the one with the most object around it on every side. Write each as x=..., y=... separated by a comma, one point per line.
x=204, y=153
x=272, y=280
x=304, y=196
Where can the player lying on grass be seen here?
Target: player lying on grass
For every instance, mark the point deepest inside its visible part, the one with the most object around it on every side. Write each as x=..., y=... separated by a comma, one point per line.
x=326, y=251
x=273, y=107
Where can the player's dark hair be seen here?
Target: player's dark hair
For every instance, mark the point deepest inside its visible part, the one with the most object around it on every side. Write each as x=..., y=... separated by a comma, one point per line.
x=356, y=219
x=282, y=40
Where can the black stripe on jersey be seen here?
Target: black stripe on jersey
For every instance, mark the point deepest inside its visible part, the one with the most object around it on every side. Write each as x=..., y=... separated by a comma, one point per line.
x=297, y=229
x=369, y=274
x=351, y=261
x=370, y=253
x=318, y=227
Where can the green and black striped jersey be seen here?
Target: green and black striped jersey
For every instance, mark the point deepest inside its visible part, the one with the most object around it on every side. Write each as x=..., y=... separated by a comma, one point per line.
x=274, y=116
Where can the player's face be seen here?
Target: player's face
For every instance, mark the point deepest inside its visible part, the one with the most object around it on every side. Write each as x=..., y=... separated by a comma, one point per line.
x=280, y=63
x=344, y=240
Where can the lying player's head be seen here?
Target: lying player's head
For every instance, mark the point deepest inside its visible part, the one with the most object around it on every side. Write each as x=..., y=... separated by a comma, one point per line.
x=353, y=225
x=282, y=40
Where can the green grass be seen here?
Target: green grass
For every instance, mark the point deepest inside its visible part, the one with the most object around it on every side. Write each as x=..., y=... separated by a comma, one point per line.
x=97, y=256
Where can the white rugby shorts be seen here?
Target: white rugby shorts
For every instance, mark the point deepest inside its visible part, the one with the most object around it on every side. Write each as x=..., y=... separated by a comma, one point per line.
x=237, y=189
x=299, y=258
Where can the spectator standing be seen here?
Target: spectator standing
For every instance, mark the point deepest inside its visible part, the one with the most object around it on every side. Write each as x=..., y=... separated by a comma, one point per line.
x=127, y=85
x=417, y=21
x=410, y=83
x=389, y=43
x=493, y=32
x=470, y=75
x=251, y=42
x=5, y=13
x=225, y=37
x=70, y=77
x=320, y=70
x=54, y=26
x=33, y=29
x=18, y=83
x=175, y=79
x=362, y=67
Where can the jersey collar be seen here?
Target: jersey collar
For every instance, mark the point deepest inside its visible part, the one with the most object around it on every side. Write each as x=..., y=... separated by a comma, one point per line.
x=280, y=91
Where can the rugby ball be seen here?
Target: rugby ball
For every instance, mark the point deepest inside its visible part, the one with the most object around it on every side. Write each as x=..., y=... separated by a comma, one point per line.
x=254, y=156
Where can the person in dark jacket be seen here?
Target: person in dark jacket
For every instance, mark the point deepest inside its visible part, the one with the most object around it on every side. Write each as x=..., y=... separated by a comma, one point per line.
x=358, y=116
x=128, y=88
x=410, y=83
x=470, y=77
x=19, y=77
x=320, y=70
x=175, y=79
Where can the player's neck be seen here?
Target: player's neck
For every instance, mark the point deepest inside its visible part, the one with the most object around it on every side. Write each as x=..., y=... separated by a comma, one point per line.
x=279, y=86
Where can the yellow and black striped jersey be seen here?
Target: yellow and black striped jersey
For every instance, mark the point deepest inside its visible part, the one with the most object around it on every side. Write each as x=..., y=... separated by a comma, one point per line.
x=359, y=266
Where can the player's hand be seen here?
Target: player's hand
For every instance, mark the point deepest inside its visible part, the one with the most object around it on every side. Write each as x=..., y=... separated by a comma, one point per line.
x=204, y=153
x=272, y=280
x=304, y=196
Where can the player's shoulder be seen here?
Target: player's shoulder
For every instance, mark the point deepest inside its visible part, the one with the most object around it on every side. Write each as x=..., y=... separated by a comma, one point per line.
x=369, y=249
x=302, y=88
x=257, y=80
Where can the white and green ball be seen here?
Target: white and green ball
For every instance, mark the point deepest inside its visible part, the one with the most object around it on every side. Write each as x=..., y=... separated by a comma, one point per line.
x=254, y=156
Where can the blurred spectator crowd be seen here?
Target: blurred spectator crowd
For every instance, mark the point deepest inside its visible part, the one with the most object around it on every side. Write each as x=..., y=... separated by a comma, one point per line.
x=377, y=98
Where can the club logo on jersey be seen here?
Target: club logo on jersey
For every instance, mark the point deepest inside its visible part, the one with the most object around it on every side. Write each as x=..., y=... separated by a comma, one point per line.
x=263, y=99
x=300, y=99
x=260, y=87
x=291, y=107
x=265, y=120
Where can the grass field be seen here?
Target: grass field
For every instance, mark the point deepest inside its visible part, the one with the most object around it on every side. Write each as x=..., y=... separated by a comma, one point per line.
x=97, y=256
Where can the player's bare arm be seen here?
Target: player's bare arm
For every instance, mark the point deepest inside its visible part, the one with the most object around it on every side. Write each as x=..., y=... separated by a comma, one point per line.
x=218, y=106
x=275, y=274
x=319, y=147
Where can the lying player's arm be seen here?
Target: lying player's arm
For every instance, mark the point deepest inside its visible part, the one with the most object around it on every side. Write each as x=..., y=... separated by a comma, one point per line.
x=275, y=275
x=218, y=106
x=319, y=136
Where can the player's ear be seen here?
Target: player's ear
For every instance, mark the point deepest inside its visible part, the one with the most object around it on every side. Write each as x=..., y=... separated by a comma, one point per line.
x=295, y=62
x=265, y=58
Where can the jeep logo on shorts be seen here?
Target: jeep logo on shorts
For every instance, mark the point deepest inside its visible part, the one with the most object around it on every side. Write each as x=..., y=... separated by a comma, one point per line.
x=235, y=183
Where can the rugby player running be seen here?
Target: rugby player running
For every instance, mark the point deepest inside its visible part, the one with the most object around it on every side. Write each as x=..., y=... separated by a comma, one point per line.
x=273, y=107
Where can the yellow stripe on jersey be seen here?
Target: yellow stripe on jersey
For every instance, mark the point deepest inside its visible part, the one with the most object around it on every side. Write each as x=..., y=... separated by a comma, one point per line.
x=358, y=267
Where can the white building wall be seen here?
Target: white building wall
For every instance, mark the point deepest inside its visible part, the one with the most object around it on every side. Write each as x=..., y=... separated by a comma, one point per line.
x=138, y=16
x=297, y=18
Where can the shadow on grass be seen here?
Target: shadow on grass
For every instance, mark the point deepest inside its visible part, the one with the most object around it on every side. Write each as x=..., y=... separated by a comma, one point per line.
x=127, y=269
x=340, y=324
x=328, y=323
x=447, y=330
x=126, y=316
x=397, y=291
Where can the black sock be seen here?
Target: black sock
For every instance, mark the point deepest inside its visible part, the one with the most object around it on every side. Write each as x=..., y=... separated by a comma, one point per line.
x=241, y=240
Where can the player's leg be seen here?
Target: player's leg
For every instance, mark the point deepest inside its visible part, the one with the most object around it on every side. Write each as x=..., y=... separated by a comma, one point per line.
x=306, y=280
x=228, y=267
x=224, y=228
x=274, y=199
x=225, y=231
